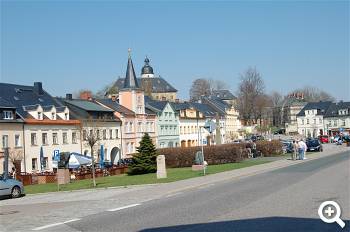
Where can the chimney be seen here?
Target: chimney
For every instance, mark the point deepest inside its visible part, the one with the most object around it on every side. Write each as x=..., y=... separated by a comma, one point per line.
x=177, y=100
x=86, y=95
x=69, y=96
x=114, y=98
x=38, y=88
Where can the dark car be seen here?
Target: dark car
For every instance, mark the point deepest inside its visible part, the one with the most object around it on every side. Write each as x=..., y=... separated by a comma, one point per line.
x=314, y=145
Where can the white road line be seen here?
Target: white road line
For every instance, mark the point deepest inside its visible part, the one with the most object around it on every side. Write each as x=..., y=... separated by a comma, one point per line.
x=55, y=224
x=123, y=207
x=174, y=194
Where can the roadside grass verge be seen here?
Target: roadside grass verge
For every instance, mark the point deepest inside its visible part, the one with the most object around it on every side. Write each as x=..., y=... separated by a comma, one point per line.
x=174, y=174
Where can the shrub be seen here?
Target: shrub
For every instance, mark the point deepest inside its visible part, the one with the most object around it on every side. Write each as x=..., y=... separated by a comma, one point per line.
x=219, y=154
x=145, y=160
x=269, y=148
x=185, y=156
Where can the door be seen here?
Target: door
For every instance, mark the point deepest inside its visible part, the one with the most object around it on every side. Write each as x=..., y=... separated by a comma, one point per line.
x=4, y=187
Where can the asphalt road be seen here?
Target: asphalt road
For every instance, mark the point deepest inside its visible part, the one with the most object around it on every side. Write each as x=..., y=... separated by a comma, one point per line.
x=286, y=199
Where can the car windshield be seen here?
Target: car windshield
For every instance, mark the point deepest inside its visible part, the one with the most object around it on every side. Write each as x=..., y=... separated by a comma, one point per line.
x=313, y=143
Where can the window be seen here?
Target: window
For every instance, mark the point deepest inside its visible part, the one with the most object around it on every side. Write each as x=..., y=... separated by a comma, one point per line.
x=33, y=139
x=5, y=141
x=44, y=138
x=126, y=127
x=307, y=121
x=39, y=115
x=302, y=122
x=54, y=138
x=104, y=134
x=98, y=134
x=320, y=120
x=110, y=134
x=335, y=123
x=66, y=116
x=131, y=129
x=139, y=127
x=170, y=115
x=161, y=130
x=343, y=122
x=34, y=164
x=74, y=137
x=314, y=120
x=65, y=137
x=116, y=133
x=53, y=116
x=17, y=141
x=8, y=115
x=46, y=163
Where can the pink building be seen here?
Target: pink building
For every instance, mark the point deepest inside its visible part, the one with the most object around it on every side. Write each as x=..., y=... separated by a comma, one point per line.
x=136, y=119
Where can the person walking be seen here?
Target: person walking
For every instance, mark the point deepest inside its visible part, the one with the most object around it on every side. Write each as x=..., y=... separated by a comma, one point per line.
x=295, y=150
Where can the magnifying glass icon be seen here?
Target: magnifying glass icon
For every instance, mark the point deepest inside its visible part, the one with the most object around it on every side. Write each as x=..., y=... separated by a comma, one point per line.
x=329, y=212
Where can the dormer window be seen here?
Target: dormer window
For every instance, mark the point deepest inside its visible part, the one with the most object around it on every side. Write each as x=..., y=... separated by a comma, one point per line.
x=53, y=116
x=39, y=115
x=66, y=116
x=8, y=115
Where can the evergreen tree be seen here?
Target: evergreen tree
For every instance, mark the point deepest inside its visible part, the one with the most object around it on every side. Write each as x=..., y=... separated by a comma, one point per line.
x=145, y=160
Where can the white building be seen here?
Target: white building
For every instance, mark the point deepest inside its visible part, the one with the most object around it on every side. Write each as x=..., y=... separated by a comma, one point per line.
x=311, y=119
x=337, y=119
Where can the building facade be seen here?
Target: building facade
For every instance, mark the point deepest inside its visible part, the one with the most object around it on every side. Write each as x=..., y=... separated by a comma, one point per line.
x=11, y=134
x=167, y=123
x=310, y=119
x=337, y=119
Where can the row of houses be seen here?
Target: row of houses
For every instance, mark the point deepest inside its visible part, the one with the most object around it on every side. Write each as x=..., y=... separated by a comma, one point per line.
x=32, y=122
x=324, y=118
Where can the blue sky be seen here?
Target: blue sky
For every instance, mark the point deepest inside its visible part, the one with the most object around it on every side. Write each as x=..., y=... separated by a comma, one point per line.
x=72, y=45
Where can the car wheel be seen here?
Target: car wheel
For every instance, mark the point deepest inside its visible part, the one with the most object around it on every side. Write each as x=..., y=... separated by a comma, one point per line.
x=16, y=192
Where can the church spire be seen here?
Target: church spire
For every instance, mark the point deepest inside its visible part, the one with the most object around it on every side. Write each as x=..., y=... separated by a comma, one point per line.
x=130, y=81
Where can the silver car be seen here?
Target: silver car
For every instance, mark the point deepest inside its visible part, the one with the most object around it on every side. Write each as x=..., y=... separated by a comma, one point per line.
x=11, y=187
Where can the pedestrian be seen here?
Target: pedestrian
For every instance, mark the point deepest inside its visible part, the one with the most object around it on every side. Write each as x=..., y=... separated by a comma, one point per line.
x=304, y=149
x=295, y=150
x=300, y=149
x=249, y=150
x=254, y=150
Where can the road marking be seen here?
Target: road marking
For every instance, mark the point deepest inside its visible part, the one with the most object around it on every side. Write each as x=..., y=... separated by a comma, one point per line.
x=174, y=194
x=55, y=224
x=123, y=207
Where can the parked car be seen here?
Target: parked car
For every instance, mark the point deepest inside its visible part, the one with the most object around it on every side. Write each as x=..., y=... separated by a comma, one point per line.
x=324, y=138
x=287, y=146
x=314, y=145
x=11, y=187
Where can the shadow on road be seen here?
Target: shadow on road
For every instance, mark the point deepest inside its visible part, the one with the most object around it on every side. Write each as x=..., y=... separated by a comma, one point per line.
x=269, y=224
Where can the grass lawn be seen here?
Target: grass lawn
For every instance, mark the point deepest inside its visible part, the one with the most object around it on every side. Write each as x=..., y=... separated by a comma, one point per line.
x=174, y=174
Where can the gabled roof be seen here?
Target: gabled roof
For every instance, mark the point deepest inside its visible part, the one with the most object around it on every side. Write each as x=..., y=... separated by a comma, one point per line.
x=205, y=109
x=6, y=104
x=154, y=84
x=333, y=110
x=115, y=106
x=224, y=94
x=216, y=103
x=88, y=105
x=22, y=95
x=321, y=107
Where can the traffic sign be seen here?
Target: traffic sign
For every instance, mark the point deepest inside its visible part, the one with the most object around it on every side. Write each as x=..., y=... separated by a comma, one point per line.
x=56, y=155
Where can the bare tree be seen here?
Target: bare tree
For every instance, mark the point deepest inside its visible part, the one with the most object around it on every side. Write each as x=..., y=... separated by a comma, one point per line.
x=200, y=87
x=313, y=94
x=262, y=107
x=250, y=89
x=217, y=85
x=92, y=136
x=15, y=155
x=205, y=87
x=277, y=101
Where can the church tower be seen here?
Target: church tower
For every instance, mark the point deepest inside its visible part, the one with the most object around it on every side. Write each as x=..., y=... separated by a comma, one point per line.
x=131, y=95
x=147, y=70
